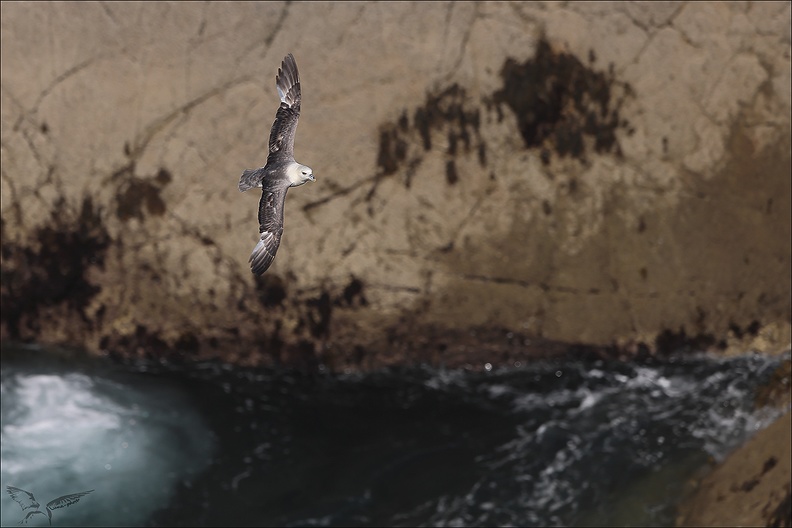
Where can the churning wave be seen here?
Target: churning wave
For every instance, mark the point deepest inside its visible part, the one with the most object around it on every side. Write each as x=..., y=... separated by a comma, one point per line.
x=559, y=443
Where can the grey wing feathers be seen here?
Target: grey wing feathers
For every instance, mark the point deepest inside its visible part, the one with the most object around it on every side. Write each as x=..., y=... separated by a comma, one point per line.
x=66, y=500
x=288, y=82
x=271, y=229
x=251, y=178
x=24, y=498
x=281, y=141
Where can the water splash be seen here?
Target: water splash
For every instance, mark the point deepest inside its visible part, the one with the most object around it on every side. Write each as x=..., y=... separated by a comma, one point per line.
x=66, y=432
x=549, y=444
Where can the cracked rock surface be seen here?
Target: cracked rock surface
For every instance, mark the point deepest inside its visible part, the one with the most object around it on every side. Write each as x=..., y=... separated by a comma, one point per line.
x=586, y=173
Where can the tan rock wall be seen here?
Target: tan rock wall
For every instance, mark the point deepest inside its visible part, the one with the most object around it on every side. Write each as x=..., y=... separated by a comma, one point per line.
x=584, y=172
x=750, y=488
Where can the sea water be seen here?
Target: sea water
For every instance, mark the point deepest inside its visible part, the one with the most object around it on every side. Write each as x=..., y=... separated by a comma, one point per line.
x=550, y=443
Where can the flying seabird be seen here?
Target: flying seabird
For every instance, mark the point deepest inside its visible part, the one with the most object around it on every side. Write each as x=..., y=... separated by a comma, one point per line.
x=26, y=500
x=281, y=171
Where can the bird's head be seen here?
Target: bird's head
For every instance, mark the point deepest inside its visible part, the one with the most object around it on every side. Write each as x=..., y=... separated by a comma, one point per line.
x=300, y=174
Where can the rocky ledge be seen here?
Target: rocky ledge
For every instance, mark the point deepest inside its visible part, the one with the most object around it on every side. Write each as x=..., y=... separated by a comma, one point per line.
x=752, y=486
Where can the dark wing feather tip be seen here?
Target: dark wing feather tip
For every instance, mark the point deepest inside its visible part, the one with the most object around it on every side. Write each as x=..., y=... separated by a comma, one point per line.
x=271, y=229
x=281, y=140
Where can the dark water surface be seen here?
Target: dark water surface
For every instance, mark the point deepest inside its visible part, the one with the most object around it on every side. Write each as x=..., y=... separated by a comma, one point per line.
x=553, y=443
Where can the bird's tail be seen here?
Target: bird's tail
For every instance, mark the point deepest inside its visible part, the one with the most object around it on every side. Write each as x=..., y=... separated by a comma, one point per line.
x=250, y=178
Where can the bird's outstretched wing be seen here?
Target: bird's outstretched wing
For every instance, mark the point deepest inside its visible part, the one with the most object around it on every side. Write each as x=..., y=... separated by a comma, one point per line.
x=66, y=500
x=271, y=229
x=29, y=515
x=281, y=140
x=24, y=498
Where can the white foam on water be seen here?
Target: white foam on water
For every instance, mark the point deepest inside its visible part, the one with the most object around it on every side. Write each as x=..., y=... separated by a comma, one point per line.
x=62, y=434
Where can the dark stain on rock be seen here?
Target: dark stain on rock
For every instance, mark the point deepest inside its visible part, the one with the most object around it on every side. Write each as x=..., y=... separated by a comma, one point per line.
x=148, y=344
x=562, y=107
x=769, y=464
x=319, y=315
x=187, y=343
x=452, y=143
x=163, y=177
x=781, y=515
x=359, y=353
x=44, y=128
x=449, y=111
x=55, y=271
x=135, y=194
x=353, y=294
x=142, y=343
x=316, y=314
x=100, y=313
x=750, y=484
x=404, y=122
x=451, y=172
x=302, y=355
x=547, y=208
x=751, y=329
x=558, y=101
x=669, y=342
x=271, y=289
x=392, y=150
x=747, y=486
x=276, y=342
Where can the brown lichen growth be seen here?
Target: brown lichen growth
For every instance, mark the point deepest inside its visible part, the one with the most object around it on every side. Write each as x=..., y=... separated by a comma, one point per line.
x=54, y=270
x=559, y=101
x=450, y=111
x=135, y=194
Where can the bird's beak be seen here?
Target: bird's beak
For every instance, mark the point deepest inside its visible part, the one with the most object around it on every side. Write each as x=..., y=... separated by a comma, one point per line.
x=313, y=178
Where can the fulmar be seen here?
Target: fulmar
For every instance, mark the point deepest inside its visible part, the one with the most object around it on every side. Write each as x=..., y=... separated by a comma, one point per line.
x=280, y=172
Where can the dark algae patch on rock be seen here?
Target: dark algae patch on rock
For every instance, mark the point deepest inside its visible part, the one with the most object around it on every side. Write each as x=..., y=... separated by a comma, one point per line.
x=452, y=111
x=54, y=271
x=562, y=104
x=138, y=194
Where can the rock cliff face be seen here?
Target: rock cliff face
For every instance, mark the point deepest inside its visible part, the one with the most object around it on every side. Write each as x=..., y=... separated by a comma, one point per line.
x=592, y=173
x=751, y=487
